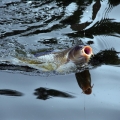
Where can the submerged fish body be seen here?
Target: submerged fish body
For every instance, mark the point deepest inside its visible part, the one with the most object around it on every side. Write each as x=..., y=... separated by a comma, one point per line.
x=61, y=61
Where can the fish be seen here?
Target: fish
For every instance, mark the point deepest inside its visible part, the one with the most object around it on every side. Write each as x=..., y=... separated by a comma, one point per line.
x=61, y=60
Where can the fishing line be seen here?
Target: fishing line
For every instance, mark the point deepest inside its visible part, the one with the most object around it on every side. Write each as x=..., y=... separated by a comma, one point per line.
x=84, y=109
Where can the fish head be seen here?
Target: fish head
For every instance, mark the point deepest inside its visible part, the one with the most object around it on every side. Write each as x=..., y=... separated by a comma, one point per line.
x=80, y=54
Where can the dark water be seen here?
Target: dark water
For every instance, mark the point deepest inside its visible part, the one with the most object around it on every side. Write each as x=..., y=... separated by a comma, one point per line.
x=28, y=27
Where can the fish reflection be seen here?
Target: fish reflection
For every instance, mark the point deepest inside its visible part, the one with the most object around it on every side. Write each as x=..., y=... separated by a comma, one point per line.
x=46, y=93
x=8, y=92
x=84, y=81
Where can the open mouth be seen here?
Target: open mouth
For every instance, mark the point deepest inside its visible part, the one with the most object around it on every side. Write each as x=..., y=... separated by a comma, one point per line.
x=87, y=52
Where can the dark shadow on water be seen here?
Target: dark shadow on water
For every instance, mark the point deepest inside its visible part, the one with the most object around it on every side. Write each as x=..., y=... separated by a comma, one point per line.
x=82, y=26
x=46, y=93
x=106, y=26
x=6, y=66
x=114, y=2
x=108, y=57
x=8, y=92
x=96, y=8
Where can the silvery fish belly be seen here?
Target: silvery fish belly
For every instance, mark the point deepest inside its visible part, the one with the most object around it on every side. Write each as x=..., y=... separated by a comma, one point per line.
x=53, y=63
x=44, y=63
x=48, y=62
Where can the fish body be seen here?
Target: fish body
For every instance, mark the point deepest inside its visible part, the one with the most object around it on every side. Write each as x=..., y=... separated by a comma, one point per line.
x=62, y=60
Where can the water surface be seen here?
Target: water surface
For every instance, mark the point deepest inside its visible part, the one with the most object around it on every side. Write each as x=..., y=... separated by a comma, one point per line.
x=28, y=27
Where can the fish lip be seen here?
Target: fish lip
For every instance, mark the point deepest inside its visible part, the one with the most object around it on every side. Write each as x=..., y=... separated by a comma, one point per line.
x=87, y=52
x=88, y=91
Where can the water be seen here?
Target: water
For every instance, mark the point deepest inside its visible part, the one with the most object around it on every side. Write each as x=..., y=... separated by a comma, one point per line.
x=29, y=27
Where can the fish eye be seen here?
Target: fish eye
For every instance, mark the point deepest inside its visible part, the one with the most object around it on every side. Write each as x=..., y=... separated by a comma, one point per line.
x=79, y=47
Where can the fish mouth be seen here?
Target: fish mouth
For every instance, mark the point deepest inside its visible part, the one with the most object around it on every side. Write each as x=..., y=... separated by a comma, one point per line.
x=87, y=52
x=88, y=91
